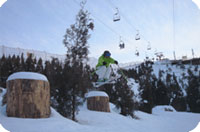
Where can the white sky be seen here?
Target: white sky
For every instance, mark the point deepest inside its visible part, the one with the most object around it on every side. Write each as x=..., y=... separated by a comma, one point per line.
x=41, y=25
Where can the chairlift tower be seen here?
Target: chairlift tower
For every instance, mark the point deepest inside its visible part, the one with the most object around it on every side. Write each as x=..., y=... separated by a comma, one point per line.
x=174, y=53
x=193, y=53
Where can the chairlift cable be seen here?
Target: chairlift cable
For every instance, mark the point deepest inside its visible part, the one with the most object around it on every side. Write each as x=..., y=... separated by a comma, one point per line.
x=110, y=28
x=126, y=19
x=138, y=35
x=173, y=3
x=115, y=32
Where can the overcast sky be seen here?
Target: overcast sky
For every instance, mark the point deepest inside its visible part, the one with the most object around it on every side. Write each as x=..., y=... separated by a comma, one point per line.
x=41, y=25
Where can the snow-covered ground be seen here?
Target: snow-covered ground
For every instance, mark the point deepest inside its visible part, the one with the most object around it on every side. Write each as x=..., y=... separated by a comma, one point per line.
x=91, y=121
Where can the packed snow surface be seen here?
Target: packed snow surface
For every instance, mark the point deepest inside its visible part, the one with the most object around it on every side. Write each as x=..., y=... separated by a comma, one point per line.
x=96, y=93
x=197, y=129
x=27, y=75
x=92, y=121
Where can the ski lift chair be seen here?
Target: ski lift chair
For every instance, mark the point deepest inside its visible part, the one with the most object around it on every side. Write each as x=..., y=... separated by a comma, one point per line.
x=116, y=16
x=121, y=43
x=137, y=53
x=137, y=36
x=122, y=46
x=149, y=46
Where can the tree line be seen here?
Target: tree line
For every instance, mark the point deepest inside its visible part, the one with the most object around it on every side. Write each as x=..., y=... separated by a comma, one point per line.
x=167, y=89
x=68, y=83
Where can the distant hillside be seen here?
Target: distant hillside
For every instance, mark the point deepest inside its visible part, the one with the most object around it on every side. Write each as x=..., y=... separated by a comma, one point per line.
x=45, y=56
x=38, y=54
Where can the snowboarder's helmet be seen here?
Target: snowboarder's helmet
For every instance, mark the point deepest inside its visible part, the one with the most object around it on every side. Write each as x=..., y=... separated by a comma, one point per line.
x=106, y=53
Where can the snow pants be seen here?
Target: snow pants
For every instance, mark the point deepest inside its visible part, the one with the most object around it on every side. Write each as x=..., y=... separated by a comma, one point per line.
x=103, y=72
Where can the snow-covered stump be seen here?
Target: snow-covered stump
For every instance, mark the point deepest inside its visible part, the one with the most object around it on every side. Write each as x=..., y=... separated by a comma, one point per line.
x=28, y=95
x=98, y=101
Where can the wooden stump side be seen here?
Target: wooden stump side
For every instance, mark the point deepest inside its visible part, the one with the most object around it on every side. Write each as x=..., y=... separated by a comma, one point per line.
x=98, y=103
x=28, y=98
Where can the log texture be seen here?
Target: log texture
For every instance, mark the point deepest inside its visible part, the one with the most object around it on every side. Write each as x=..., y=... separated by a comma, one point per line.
x=98, y=103
x=28, y=98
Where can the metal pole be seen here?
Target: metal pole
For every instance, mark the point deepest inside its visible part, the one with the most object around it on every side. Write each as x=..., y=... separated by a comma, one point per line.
x=174, y=31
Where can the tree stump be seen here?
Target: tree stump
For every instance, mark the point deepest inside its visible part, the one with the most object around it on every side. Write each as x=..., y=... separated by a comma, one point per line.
x=28, y=95
x=98, y=101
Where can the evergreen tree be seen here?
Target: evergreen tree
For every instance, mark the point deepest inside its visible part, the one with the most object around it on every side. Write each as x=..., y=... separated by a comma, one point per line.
x=9, y=66
x=124, y=96
x=16, y=63
x=6, y=69
x=3, y=71
x=75, y=40
x=146, y=87
x=48, y=71
x=30, y=63
x=161, y=92
x=55, y=75
x=193, y=92
x=177, y=97
x=39, y=67
x=56, y=81
x=22, y=63
x=132, y=73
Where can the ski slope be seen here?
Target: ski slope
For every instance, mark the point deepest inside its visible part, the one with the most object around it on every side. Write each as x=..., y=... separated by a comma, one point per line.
x=91, y=121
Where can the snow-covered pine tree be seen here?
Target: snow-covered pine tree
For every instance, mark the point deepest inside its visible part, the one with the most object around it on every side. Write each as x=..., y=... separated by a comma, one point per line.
x=76, y=42
x=193, y=92
x=146, y=87
x=132, y=73
x=178, y=100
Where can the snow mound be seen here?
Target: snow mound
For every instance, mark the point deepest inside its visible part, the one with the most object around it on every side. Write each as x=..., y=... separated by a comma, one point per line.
x=96, y=93
x=2, y=129
x=163, y=108
x=27, y=75
x=197, y=129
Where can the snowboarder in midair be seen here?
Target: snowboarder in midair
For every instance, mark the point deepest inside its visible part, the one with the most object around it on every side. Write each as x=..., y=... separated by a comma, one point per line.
x=103, y=67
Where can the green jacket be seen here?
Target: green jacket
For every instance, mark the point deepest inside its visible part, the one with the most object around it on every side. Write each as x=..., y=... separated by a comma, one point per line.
x=108, y=61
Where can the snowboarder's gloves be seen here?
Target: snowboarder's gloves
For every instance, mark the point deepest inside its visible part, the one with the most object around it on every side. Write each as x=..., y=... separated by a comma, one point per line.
x=116, y=62
x=104, y=63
